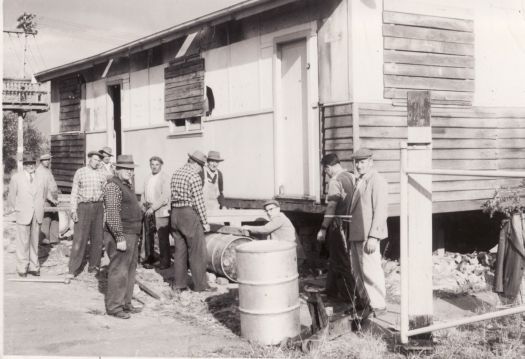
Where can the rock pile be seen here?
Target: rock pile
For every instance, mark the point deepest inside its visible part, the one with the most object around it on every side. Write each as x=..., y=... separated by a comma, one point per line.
x=452, y=273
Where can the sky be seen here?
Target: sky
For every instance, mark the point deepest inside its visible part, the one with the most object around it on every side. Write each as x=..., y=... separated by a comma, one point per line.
x=69, y=30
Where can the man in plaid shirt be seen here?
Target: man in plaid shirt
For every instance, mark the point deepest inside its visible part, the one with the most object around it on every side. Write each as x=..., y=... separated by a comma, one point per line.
x=87, y=211
x=188, y=224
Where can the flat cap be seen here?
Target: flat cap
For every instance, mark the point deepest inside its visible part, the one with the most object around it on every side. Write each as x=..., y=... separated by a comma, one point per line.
x=330, y=159
x=106, y=152
x=93, y=153
x=271, y=201
x=45, y=157
x=362, y=154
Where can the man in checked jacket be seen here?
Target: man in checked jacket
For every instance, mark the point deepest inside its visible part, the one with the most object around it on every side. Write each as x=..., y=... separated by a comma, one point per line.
x=188, y=224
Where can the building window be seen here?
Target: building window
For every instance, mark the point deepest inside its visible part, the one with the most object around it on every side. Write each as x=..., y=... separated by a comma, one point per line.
x=185, y=125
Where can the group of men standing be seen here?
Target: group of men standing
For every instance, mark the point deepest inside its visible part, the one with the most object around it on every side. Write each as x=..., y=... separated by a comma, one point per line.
x=353, y=225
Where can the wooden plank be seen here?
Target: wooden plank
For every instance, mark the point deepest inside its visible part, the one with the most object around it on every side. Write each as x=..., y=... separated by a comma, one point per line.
x=435, y=47
x=60, y=162
x=424, y=33
x=459, y=122
x=338, y=110
x=375, y=120
x=453, y=164
x=179, y=115
x=507, y=153
x=384, y=132
x=338, y=144
x=177, y=95
x=463, y=143
x=184, y=101
x=510, y=143
x=515, y=163
x=426, y=83
x=448, y=97
x=462, y=195
x=460, y=185
x=418, y=58
x=171, y=72
x=512, y=133
x=342, y=132
x=428, y=71
x=184, y=80
x=485, y=133
x=338, y=121
x=465, y=154
x=435, y=22
x=184, y=108
x=510, y=122
x=69, y=102
x=68, y=172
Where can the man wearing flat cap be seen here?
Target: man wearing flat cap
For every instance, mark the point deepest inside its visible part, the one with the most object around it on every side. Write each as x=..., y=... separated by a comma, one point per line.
x=213, y=182
x=27, y=193
x=188, y=224
x=49, y=226
x=87, y=211
x=105, y=165
x=369, y=211
x=334, y=228
x=278, y=228
x=124, y=224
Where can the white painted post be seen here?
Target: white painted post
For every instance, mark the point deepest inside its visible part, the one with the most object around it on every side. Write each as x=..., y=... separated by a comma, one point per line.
x=403, y=244
x=20, y=142
x=420, y=307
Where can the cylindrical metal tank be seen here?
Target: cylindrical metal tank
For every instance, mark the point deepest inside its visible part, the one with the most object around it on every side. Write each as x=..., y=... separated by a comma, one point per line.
x=268, y=291
x=220, y=250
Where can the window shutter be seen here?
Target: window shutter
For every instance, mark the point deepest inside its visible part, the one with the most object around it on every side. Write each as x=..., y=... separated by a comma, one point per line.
x=184, y=89
x=433, y=53
x=69, y=119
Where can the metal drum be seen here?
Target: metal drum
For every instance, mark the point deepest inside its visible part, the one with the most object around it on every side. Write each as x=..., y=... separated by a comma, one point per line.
x=220, y=249
x=268, y=291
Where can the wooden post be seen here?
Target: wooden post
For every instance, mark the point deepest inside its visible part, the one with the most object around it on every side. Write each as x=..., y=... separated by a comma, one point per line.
x=403, y=244
x=20, y=141
x=419, y=210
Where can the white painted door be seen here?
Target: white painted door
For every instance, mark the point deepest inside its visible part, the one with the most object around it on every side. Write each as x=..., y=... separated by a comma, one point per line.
x=293, y=125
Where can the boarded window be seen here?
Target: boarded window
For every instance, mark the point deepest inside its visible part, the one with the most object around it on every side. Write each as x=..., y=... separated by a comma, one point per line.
x=68, y=151
x=184, y=94
x=428, y=53
x=70, y=93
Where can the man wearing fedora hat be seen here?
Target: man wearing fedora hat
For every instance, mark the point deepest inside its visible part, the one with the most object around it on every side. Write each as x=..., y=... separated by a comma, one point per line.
x=213, y=183
x=105, y=165
x=87, y=211
x=124, y=224
x=27, y=193
x=188, y=224
x=369, y=211
x=49, y=226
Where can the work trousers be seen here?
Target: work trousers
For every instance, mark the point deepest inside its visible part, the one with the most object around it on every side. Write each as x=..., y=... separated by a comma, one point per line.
x=190, y=245
x=340, y=282
x=49, y=227
x=27, y=246
x=88, y=228
x=368, y=272
x=121, y=272
x=162, y=226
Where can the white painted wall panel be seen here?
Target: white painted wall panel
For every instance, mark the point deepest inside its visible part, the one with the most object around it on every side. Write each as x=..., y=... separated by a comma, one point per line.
x=97, y=107
x=216, y=62
x=244, y=84
x=156, y=95
x=265, y=78
x=95, y=141
x=139, y=97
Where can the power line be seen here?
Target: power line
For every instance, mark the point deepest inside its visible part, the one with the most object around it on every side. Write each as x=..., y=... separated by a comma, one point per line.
x=39, y=52
x=13, y=46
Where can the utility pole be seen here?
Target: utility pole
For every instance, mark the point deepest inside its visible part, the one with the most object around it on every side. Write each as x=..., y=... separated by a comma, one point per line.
x=27, y=26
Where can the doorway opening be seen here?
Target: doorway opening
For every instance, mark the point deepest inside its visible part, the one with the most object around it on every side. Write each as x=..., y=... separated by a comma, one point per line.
x=114, y=92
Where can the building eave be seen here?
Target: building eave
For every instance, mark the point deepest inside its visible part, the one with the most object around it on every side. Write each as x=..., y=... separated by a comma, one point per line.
x=237, y=11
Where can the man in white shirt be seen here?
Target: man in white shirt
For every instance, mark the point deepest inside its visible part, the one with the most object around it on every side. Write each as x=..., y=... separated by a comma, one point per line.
x=156, y=201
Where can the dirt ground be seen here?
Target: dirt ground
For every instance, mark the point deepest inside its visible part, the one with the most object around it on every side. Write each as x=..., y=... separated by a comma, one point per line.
x=69, y=319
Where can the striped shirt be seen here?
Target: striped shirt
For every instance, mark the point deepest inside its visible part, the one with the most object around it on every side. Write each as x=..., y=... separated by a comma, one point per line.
x=186, y=190
x=113, y=207
x=87, y=186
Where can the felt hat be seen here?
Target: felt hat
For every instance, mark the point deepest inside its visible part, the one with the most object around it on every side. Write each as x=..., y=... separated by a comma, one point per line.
x=125, y=161
x=271, y=201
x=198, y=157
x=362, y=153
x=28, y=159
x=45, y=157
x=93, y=153
x=106, y=152
x=215, y=156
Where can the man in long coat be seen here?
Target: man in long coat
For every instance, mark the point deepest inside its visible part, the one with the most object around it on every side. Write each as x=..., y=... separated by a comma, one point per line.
x=369, y=211
x=27, y=193
x=49, y=226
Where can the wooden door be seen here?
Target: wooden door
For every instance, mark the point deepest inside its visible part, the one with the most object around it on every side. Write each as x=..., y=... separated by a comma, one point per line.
x=292, y=123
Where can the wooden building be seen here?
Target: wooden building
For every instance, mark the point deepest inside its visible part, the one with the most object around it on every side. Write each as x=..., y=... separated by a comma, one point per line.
x=273, y=85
